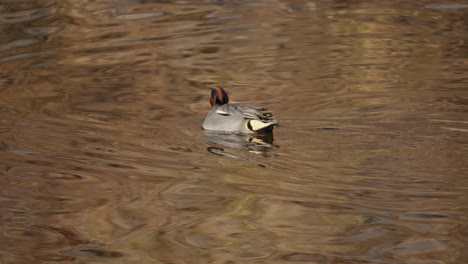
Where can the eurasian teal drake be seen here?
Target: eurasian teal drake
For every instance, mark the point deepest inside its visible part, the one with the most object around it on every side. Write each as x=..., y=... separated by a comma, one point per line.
x=236, y=117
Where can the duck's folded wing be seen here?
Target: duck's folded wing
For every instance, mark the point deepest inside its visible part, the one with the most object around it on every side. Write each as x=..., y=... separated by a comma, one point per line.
x=229, y=109
x=248, y=112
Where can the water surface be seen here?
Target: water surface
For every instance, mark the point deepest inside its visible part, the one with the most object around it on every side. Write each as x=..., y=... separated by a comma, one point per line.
x=103, y=159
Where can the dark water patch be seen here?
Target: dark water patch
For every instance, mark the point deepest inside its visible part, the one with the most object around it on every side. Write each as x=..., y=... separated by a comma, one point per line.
x=305, y=258
x=100, y=253
x=328, y=128
x=93, y=252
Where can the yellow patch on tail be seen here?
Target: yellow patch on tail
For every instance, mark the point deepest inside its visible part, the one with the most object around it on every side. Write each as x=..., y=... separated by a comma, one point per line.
x=257, y=125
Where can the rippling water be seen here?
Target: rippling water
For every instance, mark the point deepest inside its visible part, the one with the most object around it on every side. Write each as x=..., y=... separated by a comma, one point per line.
x=103, y=158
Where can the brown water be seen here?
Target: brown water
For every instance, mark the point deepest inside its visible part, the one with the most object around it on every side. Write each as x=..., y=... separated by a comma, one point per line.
x=103, y=159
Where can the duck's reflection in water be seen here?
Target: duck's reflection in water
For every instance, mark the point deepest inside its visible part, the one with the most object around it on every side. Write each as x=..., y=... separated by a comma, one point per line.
x=253, y=143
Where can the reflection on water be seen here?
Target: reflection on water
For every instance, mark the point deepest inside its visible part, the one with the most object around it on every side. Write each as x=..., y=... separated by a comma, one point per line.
x=103, y=158
x=261, y=143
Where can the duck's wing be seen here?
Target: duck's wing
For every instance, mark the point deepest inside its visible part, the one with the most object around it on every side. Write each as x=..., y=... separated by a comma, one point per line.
x=255, y=119
x=247, y=112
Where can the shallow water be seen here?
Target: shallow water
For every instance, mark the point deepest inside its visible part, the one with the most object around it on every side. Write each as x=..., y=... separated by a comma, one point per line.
x=103, y=159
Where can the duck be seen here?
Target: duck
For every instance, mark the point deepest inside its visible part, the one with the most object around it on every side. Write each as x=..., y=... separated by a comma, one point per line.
x=226, y=117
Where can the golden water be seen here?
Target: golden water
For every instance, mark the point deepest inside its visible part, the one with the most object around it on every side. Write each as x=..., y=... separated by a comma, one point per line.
x=103, y=159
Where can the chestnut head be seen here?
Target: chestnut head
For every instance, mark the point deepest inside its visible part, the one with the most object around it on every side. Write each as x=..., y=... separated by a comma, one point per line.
x=218, y=96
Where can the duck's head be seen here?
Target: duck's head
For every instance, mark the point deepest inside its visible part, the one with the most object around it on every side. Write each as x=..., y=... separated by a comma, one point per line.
x=218, y=96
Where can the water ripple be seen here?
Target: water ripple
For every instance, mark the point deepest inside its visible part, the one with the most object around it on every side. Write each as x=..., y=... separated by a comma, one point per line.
x=26, y=15
x=104, y=159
